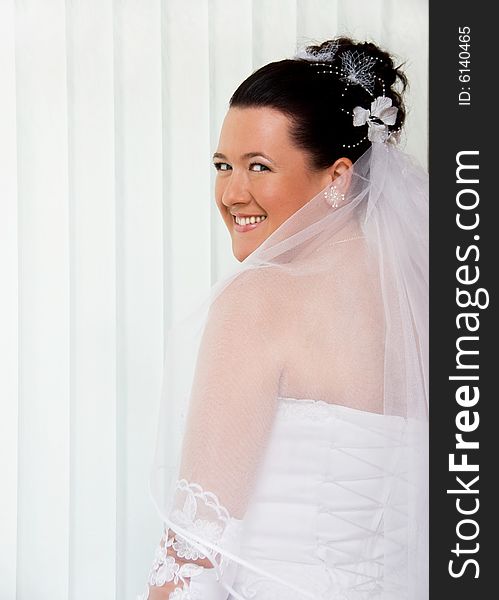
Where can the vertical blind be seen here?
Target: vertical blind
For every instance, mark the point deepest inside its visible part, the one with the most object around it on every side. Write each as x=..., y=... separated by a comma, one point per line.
x=109, y=115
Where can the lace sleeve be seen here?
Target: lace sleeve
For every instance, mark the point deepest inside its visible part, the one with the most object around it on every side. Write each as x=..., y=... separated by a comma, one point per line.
x=181, y=570
x=231, y=410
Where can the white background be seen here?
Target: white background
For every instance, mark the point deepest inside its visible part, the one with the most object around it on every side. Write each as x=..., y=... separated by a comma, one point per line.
x=109, y=115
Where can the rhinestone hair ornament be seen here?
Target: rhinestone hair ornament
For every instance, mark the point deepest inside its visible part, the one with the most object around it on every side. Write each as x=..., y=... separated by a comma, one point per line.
x=357, y=68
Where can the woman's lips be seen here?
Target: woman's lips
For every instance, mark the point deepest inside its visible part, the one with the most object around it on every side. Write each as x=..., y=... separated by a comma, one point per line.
x=243, y=228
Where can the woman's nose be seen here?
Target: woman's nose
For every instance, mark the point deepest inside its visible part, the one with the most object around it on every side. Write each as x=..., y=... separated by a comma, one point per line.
x=235, y=191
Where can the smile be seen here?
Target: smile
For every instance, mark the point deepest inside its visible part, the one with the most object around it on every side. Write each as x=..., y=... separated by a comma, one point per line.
x=245, y=224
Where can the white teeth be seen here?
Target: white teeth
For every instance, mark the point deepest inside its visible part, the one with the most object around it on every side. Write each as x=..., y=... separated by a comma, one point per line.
x=249, y=220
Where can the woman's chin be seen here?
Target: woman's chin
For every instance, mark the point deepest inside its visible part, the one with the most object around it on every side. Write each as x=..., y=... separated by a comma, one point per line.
x=239, y=254
x=241, y=251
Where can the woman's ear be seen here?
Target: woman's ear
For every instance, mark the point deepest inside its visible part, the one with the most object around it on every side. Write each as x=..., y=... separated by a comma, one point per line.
x=339, y=167
x=341, y=172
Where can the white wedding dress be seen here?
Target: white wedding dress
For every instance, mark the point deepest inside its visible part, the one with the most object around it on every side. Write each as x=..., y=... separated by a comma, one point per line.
x=319, y=503
x=316, y=514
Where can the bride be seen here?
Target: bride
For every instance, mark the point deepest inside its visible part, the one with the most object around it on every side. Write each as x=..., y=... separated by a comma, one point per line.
x=291, y=457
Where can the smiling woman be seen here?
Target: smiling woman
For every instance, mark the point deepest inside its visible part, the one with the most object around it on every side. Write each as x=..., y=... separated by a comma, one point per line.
x=291, y=457
x=274, y=188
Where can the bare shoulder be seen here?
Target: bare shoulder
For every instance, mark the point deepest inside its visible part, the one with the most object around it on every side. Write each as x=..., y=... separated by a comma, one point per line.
x=258, y=304
x=260, y=291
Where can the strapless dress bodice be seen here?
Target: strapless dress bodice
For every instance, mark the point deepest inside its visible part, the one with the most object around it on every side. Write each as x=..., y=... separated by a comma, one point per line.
x=330, y=477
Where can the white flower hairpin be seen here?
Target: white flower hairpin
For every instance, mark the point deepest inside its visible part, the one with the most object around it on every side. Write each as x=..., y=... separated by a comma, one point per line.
x=381, y=115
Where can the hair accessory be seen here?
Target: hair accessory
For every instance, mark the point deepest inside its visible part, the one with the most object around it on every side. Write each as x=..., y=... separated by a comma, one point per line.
x=327, y=54
x=358, y=68
x=381, y=110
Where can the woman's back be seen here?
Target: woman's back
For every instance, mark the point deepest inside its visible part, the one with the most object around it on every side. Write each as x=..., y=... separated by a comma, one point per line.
x=332, y=327
x=316, y=514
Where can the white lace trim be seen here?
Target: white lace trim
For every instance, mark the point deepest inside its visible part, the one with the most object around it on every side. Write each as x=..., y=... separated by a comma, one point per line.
x=315, y=410
x=319, y=410
x=165, y=568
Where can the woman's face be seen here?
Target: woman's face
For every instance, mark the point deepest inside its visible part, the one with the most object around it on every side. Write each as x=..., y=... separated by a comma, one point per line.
x=262, y=174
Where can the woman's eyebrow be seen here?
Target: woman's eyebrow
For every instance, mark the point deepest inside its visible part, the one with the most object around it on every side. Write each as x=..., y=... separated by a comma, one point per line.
x=247, y=155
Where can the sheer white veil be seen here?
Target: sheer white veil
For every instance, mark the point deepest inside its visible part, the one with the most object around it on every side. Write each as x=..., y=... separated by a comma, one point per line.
x=350, y=276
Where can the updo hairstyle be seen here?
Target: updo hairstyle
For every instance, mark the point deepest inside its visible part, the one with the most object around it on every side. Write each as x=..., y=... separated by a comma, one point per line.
x=313, y=91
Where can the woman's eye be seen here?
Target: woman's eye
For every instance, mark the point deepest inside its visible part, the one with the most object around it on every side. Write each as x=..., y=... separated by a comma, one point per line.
x=221, y=166
x=263, y=167
x=257, y=167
